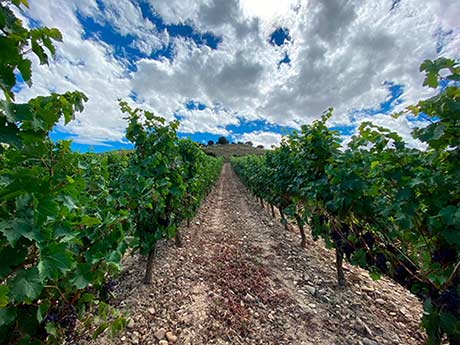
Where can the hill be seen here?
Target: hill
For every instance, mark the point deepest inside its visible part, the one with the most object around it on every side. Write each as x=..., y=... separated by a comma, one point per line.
x=229, y=150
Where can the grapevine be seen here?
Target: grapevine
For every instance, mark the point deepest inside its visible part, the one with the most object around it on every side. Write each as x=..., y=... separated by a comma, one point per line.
x=386, y=207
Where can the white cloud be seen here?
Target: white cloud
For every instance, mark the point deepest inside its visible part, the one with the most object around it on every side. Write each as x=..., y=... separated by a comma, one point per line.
x=206, y=120
x=267, y=139
x=342, y=53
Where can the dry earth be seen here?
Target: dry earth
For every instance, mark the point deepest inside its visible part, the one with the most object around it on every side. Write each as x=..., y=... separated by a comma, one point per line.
x=241, y=278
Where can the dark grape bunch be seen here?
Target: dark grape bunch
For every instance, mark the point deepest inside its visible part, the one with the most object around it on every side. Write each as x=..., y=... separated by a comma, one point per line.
x=381, y=262
x=65, y=316
x=69, y=320
x=107, y=289
x=52, y=316
x=444, y=256
x=449, y=300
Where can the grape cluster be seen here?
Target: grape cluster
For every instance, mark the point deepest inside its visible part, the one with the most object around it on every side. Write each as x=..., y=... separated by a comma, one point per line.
x=107, y=288
x=52, y=316
x=65, y=317
x=444, y=256
x=69, y=320
x=163, y=221
x=369, y=239
x=449, y=301
x=400, y=269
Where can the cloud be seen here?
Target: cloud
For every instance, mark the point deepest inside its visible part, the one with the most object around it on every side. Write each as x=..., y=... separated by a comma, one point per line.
x=342, y=54
x=206, y=120
x=267, y=139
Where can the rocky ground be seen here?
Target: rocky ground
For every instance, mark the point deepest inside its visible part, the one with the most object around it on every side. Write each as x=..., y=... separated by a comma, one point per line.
x=241, y=278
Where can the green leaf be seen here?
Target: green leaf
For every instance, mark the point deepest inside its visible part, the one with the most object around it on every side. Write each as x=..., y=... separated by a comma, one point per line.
x=25, y=67
x=9, y=133
x=431, y=80
x=102, y=327
x=18, y=228
x=19, y=2
x=90, y=221
x=7, y=316
x=54, y=34
x=42, y=310
x=117, y=325
x=26, y=285
x=11, y=235
x=11, y=257
x=451, y=236
x=69, y=202
x=83, y=276
x=374, y=275
x=3, y=296
x=38, y=50
x=55, y=261
x=51, y=329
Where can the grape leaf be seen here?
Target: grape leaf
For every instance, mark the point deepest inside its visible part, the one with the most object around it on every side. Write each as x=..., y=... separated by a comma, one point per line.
x=55, y=260
x=7, y=316
x=3, y=296
x=26, y=285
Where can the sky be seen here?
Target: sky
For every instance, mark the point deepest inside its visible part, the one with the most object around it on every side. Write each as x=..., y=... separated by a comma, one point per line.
x=250, y=70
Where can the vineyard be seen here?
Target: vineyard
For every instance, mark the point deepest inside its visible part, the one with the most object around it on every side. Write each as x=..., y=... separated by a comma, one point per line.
x=67, y=219
x=71, y=223
x=383, y=206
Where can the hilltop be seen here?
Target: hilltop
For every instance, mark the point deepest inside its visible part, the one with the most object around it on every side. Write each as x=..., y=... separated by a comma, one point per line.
x=228, y=150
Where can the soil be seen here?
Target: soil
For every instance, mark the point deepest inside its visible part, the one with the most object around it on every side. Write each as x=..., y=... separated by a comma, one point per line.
x=242, y=278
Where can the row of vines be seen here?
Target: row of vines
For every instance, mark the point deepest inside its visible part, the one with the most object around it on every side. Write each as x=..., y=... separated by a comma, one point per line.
x=386, y=207
x=67, y=219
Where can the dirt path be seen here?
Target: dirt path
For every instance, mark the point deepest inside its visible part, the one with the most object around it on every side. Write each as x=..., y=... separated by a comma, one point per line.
x=241, y=278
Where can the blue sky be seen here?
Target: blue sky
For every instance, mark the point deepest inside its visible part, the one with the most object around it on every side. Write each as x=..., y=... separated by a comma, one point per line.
x=248, y=70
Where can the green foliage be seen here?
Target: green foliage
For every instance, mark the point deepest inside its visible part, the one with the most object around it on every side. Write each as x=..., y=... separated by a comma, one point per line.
x=166, y=177
x=391, y=209
x=15, y=42
x=60, y=234
x=222, y=141
x=66, y=219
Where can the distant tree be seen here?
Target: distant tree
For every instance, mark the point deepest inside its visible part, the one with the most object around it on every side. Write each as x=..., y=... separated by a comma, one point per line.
x=248, y=143
x=240, y=143
x=260, y=146
x=222, y=141
x=210, y=142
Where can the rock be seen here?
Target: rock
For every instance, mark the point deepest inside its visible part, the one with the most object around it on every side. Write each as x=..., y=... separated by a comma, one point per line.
x=135, y=338
x=186, y=318
x=369, y=342
x=312, y=305
x=197, y=223
x=367, y=289
x=160, y=334
x=151, y=311
x=130, y=324
x=359, y=327
x=311, y=289
x=363, y=326
x=171, y=337
x=380, y=301
x=271, y=224
x=249, y=298
x=163, y=342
